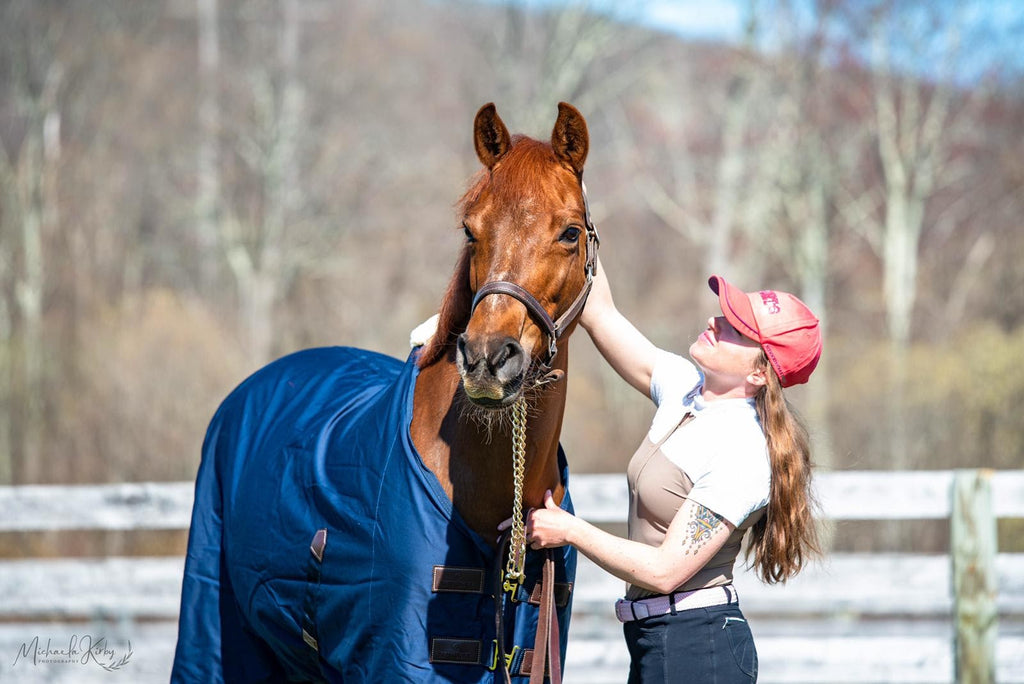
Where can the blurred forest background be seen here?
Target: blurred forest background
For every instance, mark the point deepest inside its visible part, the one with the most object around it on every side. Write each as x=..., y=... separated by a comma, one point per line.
x=191, y=188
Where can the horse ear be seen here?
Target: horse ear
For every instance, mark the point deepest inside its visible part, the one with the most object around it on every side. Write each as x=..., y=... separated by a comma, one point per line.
x=490, y=137
x=569, y=138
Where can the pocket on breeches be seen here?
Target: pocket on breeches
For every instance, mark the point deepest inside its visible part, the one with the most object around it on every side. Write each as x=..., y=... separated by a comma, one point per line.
x=741, y=643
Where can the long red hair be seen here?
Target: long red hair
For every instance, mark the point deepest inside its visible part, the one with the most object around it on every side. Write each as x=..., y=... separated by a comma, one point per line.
x=786, y=537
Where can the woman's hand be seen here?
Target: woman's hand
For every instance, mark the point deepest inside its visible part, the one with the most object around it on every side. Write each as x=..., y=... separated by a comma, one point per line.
x=599, y=301
x=546, y=527
x=550, y=526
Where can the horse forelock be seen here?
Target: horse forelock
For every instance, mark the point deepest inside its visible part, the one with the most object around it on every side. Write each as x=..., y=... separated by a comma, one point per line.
x=529, y=166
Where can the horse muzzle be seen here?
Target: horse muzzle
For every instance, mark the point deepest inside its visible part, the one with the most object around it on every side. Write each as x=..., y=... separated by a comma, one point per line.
x=492, y=369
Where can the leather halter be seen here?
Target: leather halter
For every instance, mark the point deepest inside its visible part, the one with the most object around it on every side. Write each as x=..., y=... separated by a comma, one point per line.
x=552, y=328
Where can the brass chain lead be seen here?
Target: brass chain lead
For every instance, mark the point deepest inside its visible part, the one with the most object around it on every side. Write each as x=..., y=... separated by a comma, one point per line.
x=517, y=545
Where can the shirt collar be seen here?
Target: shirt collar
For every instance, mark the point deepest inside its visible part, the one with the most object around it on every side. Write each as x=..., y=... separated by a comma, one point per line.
x=695, y=402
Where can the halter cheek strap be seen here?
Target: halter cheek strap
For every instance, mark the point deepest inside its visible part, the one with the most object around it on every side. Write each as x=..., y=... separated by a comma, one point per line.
x=552, y=328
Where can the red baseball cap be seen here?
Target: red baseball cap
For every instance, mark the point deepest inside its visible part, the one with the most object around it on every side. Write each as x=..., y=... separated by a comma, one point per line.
x=782, y=324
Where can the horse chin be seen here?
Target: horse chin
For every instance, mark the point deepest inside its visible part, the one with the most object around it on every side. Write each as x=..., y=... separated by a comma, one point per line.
x=492, y=404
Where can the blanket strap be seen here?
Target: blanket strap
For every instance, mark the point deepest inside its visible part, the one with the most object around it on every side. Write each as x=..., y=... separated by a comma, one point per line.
x=545, y=656
x=313, y=567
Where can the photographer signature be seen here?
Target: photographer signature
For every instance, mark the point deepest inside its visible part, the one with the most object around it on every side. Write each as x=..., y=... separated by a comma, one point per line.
x=81, y=650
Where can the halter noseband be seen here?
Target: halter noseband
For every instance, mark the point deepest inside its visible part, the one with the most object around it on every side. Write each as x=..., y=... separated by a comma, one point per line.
x=553, y=328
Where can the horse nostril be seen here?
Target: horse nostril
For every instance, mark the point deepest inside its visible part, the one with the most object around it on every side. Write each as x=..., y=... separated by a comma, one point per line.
x=501, y=360
x=460, y=346
x=506, y=361
x=503, y=355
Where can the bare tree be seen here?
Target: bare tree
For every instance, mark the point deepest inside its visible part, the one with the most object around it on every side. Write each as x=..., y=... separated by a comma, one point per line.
x=702, y=188
x=30, y=218
x=798, y=170
x=539, y=54
x=255, y=242
x=920, y=116
x=208, y=195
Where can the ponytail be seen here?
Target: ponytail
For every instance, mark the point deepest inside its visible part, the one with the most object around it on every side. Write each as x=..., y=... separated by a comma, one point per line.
x=785, y=538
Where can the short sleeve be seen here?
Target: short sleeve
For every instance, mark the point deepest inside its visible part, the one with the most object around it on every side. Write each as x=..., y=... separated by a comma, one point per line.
x=673, y=378
x=737, y=481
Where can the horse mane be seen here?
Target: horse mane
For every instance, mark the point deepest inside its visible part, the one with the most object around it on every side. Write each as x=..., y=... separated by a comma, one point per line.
x=518, y=168
x=454, y=314
x=456, y=306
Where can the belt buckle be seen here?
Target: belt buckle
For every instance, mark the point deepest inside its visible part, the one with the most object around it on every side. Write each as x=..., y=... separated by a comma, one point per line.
x=622, y=610
x=628, y=611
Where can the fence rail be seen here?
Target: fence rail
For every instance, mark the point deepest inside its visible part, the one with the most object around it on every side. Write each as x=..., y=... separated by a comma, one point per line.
x=853, y=618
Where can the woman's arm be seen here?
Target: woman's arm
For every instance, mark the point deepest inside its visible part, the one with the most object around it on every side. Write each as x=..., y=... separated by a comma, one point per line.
x=625, y=348
x=693, y=538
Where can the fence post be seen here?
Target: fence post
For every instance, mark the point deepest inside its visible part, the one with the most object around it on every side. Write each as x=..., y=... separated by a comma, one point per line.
x=973, y=551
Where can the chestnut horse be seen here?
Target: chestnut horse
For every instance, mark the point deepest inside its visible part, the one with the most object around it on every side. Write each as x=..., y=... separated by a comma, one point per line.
x=347, y=503
x=526, y=222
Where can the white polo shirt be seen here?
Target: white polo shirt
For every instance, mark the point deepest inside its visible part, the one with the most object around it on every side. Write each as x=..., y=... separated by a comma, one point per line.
x=722, y=450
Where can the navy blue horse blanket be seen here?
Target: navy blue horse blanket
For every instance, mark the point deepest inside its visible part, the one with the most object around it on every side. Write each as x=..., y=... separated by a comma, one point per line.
x=318, y=534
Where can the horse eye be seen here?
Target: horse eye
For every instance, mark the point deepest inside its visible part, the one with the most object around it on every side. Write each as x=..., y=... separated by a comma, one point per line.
x=468, y=233
x=571, y=234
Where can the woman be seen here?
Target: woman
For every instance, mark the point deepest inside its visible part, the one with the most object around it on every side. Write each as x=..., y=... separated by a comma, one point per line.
x=724, y=455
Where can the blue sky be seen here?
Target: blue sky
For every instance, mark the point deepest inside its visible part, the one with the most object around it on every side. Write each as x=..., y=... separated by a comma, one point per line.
x=992, y=30
x=718, y=19
x=695, y=18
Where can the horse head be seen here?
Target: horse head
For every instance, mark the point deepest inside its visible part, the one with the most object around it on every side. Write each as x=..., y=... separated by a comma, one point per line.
x=528, y=259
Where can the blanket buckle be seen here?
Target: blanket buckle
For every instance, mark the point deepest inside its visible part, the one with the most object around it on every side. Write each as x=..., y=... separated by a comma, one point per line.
x=508, y=657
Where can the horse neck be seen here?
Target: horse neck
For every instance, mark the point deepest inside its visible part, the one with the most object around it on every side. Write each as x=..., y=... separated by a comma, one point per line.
x=474, y=463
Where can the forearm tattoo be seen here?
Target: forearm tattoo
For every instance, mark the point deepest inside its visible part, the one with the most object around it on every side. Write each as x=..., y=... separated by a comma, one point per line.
x=700, y=529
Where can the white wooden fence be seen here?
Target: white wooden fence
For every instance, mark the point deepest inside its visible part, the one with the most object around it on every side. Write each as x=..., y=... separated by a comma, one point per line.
x=863, y=618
